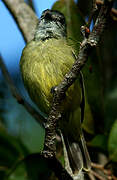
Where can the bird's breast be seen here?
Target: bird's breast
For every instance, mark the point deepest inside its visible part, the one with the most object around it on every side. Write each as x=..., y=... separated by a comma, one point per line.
x=43, y=66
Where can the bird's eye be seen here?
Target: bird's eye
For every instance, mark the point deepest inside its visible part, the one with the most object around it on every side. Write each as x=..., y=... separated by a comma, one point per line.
x=62, y=20
x=48, y=16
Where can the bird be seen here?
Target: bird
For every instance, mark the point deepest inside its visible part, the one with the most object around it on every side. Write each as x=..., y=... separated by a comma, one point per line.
x=44, y=62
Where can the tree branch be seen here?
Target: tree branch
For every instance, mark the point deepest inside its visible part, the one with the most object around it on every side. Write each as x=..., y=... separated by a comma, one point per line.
x=24, y=17
x=97, y=175
x=59, y=91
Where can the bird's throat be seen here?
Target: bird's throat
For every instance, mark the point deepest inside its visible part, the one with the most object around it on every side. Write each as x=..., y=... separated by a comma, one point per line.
x=49, y=30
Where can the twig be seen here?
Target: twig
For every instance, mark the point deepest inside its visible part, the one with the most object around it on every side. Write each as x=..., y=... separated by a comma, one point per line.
x=91, y=176
x=24, y=16
x=114, y=178
x=97, y=166
x=99, y=2
x=3, y=168
x=102, y=168
x=113, y=10
x=96, y=175
x=59, y=91
x=38, y=117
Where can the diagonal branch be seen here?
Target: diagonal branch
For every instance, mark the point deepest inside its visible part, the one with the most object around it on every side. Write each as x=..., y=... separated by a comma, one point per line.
x=24, y=17
x=59, y=92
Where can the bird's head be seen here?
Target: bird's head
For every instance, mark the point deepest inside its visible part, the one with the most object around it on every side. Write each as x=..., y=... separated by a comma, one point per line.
x=51, y=25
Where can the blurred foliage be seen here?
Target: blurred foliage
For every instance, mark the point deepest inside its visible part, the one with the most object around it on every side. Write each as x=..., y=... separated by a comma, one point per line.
x=112, y=142
x=21, y=138
x=12, y=151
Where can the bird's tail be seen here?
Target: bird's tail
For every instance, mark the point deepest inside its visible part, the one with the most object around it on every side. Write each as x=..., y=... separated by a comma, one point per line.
x=77, y=154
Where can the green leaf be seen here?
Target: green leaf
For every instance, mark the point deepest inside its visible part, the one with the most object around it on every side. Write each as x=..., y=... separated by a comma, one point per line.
x=18, y=173
x=112, y=142
x=99, y=141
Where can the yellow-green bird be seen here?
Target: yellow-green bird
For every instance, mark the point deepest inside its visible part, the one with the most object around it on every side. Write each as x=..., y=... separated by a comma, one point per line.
x=45, y=61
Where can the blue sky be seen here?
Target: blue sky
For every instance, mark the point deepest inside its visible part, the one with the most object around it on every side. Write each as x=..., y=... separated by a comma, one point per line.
x=11, y=41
